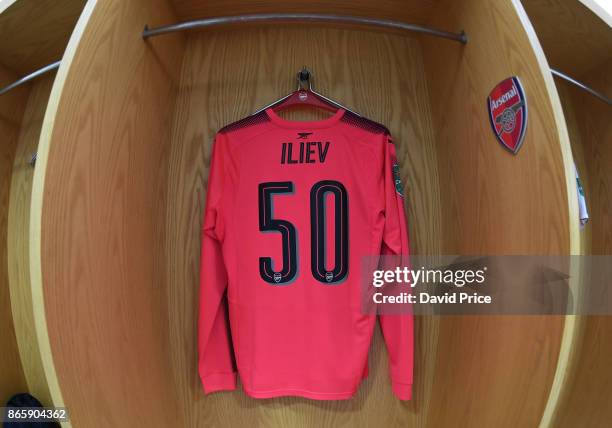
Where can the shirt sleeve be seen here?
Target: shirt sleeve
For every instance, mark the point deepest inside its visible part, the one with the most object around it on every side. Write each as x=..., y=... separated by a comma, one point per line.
x=216, y=364
x=397, y=329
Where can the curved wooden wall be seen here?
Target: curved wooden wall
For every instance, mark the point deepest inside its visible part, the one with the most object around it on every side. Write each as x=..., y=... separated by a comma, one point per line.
x=100, y=277
x=124, y=165
x=574, y=38
x=18, y=239
x=33, y=33
x=587, y=399
x=577, y=39
x=12, y=106
x=501, y=204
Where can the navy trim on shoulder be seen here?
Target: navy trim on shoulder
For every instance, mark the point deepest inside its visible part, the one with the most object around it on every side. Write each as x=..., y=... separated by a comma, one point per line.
x=255, y=119
x=364, y=123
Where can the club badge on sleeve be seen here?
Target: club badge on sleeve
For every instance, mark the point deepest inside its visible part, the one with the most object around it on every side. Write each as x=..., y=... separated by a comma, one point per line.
x=508, y=113
x=399, y=187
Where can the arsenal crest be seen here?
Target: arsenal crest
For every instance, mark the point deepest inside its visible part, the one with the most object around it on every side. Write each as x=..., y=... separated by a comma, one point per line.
x=508, y=113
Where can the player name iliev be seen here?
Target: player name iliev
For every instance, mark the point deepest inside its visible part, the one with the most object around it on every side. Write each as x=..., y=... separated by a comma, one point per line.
x=304, y=152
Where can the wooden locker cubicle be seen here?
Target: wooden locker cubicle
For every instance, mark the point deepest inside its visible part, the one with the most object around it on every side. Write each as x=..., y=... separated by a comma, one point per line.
x=119, y=190
x=12, y=106
x=33, y=34
x=576, y=37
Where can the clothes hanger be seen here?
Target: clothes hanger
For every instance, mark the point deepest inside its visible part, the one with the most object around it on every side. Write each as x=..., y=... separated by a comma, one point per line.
x=305, y=95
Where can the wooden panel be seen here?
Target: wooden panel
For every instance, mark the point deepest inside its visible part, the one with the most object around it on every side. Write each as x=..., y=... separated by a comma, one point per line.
x=38, y=180
x=18, y=239
x=574, y=38
x=96, y=233
x=12, y=106
x=34, y=33
x=595, y=123
x=382, y=80
x=495, y=203
x=102, y=168
x=572, y=118
x=517, y=199
x=123, y=197
x=587, y=400
x=411, y=11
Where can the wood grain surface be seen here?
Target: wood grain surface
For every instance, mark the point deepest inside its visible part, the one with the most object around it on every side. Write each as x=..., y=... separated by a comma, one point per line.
x=572, y=119
x=12, y=106
x=586, y=399
x=574, y=38
x=411, y=11
x=500, y=204
x=34, y=33
x=215, y=93
x=128, y=151
x=38, y=181
x=18, y=239
x=577, y=39
x=99, y=252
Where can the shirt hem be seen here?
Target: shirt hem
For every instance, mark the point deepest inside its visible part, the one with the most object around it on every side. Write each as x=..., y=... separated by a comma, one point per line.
x=314, y=395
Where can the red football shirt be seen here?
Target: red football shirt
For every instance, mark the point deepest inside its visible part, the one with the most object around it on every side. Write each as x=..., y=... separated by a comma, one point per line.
x=291, y=209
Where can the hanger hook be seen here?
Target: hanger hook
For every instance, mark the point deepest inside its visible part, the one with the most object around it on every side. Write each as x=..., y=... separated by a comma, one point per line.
x=304, y=77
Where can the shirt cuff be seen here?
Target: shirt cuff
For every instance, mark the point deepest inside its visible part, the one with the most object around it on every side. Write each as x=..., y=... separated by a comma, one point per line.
x=402, y=391
x=219, y=382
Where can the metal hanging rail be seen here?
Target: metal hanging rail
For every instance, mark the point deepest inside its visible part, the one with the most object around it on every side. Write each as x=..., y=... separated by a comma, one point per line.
x=581, y=85
x=301, y=17
x=30, y=76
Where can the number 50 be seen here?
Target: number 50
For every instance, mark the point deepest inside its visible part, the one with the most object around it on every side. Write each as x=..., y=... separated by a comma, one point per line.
x=317, y=233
